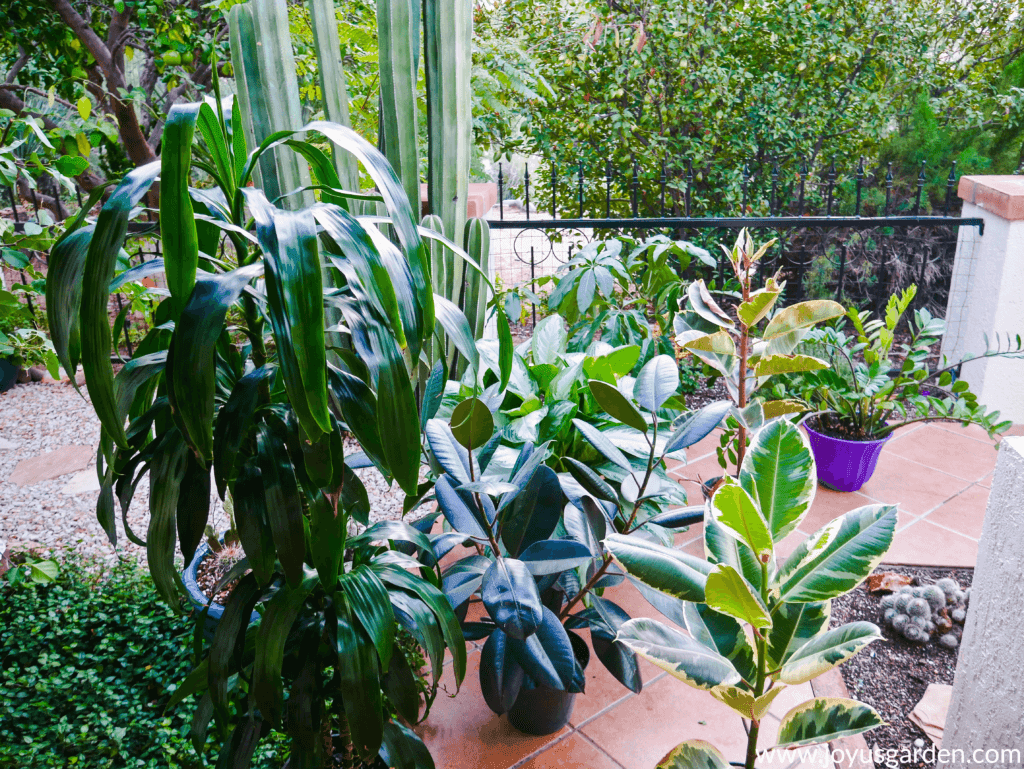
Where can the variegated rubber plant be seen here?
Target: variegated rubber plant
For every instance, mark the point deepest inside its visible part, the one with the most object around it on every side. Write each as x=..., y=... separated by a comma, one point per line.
x=245, y=385
x=745, y=355
x=757, y=623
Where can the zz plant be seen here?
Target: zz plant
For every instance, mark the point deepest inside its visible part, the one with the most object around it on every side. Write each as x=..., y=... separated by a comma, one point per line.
x=755, y=623
x=244, y=385
x=876, y=386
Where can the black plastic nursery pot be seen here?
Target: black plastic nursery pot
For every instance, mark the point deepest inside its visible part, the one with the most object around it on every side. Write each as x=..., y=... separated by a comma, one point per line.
x=8, y=374
x=542, y=710
x=198, y=599
x=844, y=465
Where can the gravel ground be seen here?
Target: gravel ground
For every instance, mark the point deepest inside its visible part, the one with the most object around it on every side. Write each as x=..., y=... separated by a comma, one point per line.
x=42, y=417
x=892, y=675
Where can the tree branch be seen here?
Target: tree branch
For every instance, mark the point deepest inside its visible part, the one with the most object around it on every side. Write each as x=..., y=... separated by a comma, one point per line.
x=18, y=65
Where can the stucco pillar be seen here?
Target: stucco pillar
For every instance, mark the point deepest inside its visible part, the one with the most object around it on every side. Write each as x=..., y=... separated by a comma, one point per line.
x=986, y=295
x=987, y=709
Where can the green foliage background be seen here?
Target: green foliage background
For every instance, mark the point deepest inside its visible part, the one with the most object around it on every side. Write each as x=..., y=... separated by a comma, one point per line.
x=87, y=665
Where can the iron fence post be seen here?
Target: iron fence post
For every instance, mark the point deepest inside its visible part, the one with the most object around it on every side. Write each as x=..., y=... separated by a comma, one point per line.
x=689, y=185
x=831, y=186
x=842, y=271
x=920, y=189
x=554, y=191
x=860, y=184
x=501, y=193
x=607, y=188
x=888, y=188
x=950, y=185
x=580, y=186
x=663, y=180
x=526, y=181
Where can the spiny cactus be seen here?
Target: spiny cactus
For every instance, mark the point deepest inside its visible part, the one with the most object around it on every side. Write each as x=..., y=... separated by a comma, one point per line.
x=921, y=612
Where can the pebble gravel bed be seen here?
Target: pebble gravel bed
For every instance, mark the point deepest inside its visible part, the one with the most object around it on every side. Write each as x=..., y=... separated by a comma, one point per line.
x=57, y=513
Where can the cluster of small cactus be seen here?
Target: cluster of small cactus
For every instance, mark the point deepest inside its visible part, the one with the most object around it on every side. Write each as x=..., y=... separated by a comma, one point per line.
x=922, y=612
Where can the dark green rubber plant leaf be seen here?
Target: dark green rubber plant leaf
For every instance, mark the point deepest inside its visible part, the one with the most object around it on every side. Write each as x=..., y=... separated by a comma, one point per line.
x=501, y=675
x=535, y=513
x=511, y=597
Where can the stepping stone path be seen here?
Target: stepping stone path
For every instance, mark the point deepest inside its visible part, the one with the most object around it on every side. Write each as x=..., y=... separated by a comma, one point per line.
x=52, y=464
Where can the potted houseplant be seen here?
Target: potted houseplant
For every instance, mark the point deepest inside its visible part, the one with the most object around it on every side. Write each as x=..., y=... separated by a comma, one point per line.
x=876, y=386
x=22, y=348
x=750, y=344
x=255, y=410
x=535, y=558
x=755, y=626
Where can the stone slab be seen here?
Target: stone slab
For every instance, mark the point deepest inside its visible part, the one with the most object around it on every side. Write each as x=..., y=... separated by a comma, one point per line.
x=81, y=483
x=52, y=464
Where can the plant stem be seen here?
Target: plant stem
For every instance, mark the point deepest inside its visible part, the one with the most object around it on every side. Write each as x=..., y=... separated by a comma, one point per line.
x=762, y=663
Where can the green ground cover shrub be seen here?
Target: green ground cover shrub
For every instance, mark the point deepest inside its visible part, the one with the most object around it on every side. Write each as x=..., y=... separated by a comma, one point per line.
x=87, y=665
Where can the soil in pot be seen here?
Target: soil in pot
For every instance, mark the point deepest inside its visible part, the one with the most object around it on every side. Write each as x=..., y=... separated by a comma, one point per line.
x=214, y=567
x=830, y=424
x=891, y=675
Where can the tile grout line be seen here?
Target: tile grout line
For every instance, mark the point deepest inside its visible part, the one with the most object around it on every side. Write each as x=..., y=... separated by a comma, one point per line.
x=611, y=706
x=600, y=750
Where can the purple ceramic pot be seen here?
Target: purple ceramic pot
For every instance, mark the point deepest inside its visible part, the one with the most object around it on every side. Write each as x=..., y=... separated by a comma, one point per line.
x=844, y=465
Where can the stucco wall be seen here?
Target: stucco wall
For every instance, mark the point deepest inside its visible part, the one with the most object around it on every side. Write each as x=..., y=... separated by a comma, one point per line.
x=986, y=294
x=987, y=709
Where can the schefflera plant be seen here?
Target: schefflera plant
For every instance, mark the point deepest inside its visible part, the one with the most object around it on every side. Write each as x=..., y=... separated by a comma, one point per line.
x=755, y=626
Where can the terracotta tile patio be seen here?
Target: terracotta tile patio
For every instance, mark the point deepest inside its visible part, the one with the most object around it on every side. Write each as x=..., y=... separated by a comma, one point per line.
x=938, y=474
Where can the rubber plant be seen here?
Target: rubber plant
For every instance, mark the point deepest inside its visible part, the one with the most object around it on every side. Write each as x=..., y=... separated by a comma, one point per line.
x=741, y=351
x=755, y=626
x=232, y=389
x=537, y=559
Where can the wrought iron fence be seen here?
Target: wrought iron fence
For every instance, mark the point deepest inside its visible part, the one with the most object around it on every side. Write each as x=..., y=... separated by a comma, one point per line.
x=856, y=236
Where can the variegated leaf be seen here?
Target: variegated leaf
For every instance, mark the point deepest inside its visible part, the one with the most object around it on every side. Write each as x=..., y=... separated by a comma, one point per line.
x=719, y=343
x=793, y=624
x=663, y=568
x=726, y=591
x=759, y=304
x=682, y=656
x=694, y=754
x=778, y=472
x=787, y=364
x=722, y=633
x=839, y=556
x=721, y=547
x=828, y=650
x=802, y=315
x=745, y=703
x=733, y=508
x=825, y=719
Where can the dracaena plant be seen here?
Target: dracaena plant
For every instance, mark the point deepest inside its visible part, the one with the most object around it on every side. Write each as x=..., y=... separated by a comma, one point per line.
x=876, y=386
x=750, y=344
x=305, y=323
x=756, y=623
x=536, y=558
